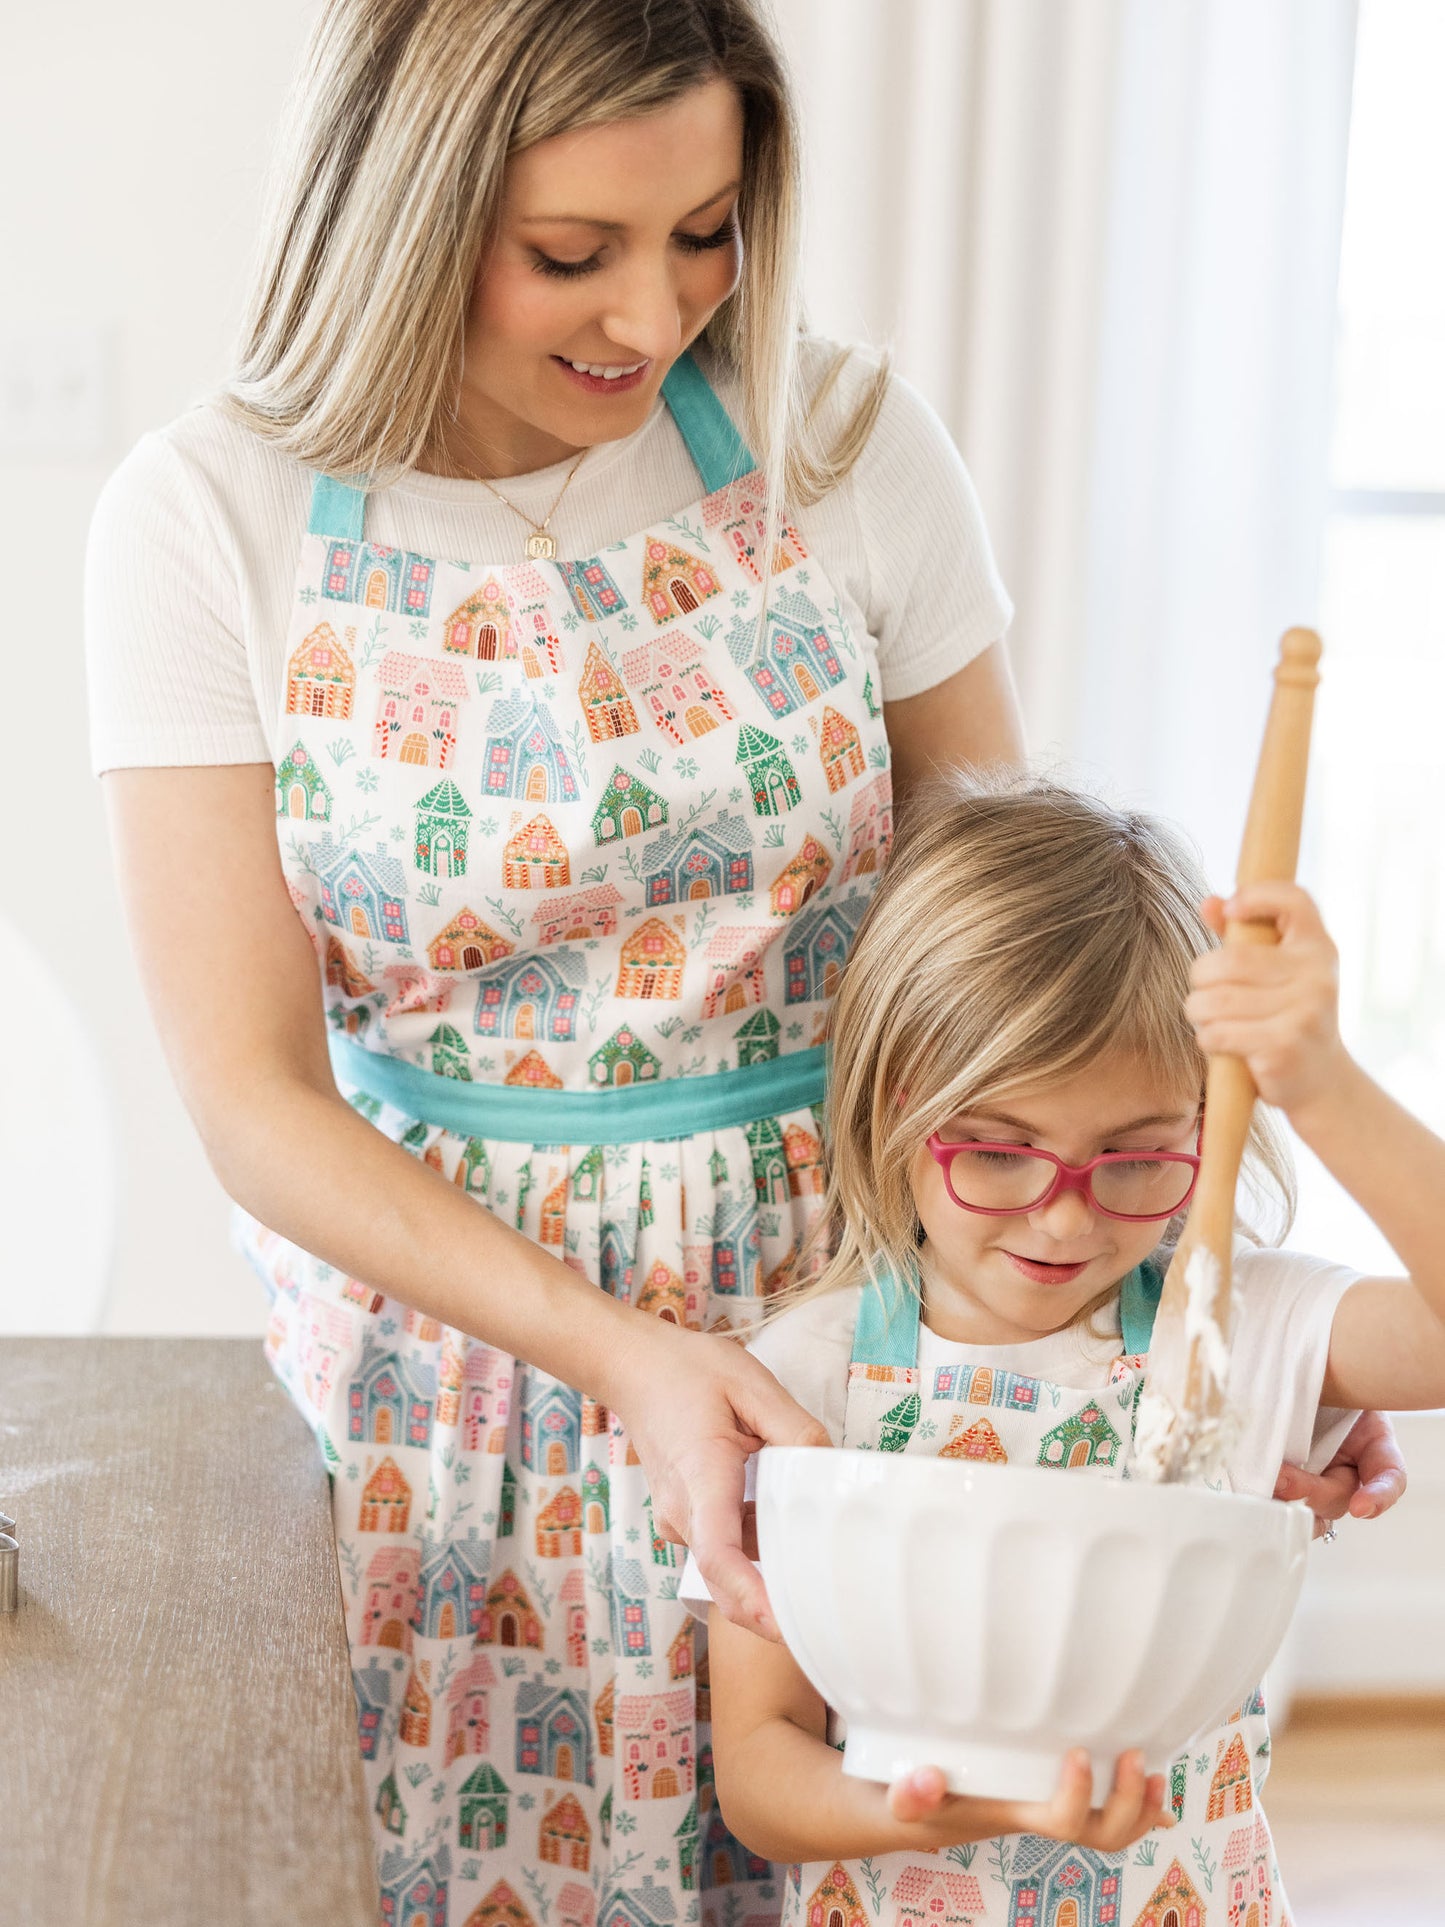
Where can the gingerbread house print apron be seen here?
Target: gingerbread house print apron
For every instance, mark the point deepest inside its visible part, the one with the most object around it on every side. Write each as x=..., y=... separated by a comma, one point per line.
x=1216, y=1867
x=581, y=851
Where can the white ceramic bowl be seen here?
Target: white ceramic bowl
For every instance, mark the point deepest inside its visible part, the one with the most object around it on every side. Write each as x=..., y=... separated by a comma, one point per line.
x=985, y=1619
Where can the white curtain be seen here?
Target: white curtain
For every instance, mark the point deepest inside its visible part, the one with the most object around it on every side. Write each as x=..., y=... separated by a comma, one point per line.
x=1103, y=236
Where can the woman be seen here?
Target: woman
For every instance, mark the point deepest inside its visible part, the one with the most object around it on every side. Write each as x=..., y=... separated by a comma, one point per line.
x=570, y=842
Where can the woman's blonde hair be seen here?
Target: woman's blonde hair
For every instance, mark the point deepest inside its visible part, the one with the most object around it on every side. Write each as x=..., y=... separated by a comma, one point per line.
x=1021, y=931
x=387, y=193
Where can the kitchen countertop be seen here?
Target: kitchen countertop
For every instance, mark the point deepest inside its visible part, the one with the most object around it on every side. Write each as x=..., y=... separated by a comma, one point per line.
x=177, y=1727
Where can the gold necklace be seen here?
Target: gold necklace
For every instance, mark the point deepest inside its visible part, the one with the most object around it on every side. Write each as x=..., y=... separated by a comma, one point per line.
x=541, y=545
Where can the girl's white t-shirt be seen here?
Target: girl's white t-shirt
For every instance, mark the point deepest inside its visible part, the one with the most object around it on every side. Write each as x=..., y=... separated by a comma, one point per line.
x=1284, y=1307
x=190, y=569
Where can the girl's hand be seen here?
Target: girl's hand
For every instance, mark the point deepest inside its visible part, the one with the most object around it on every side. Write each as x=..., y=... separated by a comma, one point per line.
x=1135, y=1806
x=1364, y=1478
x=697, y=1407
x=1274, y=1005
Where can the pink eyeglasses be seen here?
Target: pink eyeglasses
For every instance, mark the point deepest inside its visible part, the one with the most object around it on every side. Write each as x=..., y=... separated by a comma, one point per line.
x=1001, y=1179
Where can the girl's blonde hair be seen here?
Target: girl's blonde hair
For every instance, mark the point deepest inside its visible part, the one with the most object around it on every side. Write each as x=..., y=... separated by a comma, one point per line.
x=387, y=192
x=1021, y=931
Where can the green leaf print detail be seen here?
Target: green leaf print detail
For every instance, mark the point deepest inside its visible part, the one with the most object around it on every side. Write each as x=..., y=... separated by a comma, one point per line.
x=688, y=532
x=539, y=1894
x=835, y=826
x=773, y=836
x=1144, y=1855
x=650, y=760
x=342, y=751
x=579, y=750
x=873, y=1875
x=707, y=627
x=999, y=1859
x=595, y=875
x=418, y=1774
x=878, y=755
x=962, y=1856
x=1207, y=1864
x=513, y=923
x=374, y=644
x=487, y=681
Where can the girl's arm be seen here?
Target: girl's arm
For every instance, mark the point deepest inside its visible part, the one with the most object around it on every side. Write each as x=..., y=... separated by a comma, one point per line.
x=1277, y=1008
x=783, y=1791
x=234, y=989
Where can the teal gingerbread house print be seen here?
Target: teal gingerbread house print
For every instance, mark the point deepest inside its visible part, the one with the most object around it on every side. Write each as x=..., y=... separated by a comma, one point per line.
x=757, y=1039
x=594, y=594
x=300, y=789
x=711, y=860
x=794, y=661
x=485, y=1799
x=525, y=757
x=817, y=946
x=364, y=895
x=441, y=831
x=531, y=996
x=378, y=577
x=623, y=1059
x=628, y=807
x=1053, y=1882
x=449, y=1054
x=771, y=777
x=413, y=1890
x=896, y=1426
x=1087, y=1438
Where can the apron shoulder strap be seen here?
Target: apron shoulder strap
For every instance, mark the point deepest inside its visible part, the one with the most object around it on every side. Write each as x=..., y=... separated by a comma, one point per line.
x=338, y=509
x=718, y=451
x=1138, y=1302
x=889, y=1314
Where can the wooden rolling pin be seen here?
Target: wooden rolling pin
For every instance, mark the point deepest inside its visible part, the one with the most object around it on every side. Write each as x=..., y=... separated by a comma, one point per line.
x=1183, y=1431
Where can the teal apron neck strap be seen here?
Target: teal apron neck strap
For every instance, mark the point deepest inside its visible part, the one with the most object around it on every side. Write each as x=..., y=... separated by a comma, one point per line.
x=1138, y=1302
x=889, y=1314
x=891, y=1311
x=338, y=508
x=718, y=451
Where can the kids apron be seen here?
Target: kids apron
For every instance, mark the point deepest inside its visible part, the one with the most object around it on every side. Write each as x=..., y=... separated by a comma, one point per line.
x=580, y=851
x=1216, y=1867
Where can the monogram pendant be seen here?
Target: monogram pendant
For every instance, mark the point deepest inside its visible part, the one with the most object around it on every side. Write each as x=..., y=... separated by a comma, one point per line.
x=541, y=547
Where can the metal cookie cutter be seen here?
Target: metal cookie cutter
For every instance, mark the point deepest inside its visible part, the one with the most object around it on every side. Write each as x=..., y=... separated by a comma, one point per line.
x=9, y=1565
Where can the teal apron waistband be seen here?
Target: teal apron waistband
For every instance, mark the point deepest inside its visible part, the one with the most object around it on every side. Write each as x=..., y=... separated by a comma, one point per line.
x=638, y=1113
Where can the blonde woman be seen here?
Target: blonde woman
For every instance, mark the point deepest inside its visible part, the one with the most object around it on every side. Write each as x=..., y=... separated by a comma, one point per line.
x=485, y=846
x=1015, y=1127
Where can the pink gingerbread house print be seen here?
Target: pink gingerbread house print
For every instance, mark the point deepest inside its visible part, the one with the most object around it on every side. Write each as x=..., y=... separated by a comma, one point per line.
x=573, y=1600
x=870, y=827
x=576, y=1906
x=591, y=913
x=416, y=710
x=734, y=959
x=391, y=1598
x=654, y=1743
x=1245, y=1865
x=740, y=510
x=937, y=1897
x=684, y=700
x=486, y=1399
x=468, y=1725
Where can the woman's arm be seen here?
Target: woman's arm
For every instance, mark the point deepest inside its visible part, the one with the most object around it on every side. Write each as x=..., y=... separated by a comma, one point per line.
x=972, y=718
x=233, y=985
x=783, y=1791
x=1277, y=1008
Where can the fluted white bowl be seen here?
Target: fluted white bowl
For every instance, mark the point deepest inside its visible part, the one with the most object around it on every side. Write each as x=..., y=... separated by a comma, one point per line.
x=985, y=1619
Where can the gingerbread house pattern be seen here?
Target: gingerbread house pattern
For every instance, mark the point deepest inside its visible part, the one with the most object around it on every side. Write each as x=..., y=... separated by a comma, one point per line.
x=547, y=829
x=1215, y=1868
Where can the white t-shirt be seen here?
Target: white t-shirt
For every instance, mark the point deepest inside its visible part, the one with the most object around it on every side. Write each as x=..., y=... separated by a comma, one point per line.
x=1284, y=1307
x=191, y=564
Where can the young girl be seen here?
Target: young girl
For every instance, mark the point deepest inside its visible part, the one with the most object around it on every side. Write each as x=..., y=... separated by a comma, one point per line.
x=1015, y=1114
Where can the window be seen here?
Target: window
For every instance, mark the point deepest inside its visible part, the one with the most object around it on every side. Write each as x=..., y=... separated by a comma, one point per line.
x=1374, y=853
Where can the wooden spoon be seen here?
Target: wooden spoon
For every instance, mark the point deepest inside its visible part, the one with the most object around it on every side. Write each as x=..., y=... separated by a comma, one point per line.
x=1183, y=1431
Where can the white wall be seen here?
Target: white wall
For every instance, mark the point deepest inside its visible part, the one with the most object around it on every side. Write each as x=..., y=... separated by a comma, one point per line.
x=132, y=143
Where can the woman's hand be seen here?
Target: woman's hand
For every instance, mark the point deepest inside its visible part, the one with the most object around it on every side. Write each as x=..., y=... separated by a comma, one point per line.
x=1135, y=1806
x=697, y=1407
x=1274, y=1005
x=1364, y=1478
